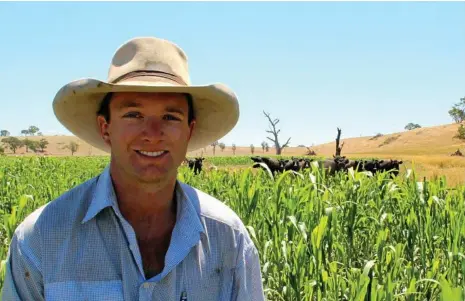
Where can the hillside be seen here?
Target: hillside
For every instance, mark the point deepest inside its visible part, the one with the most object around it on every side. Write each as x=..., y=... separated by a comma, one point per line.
x=438, y=140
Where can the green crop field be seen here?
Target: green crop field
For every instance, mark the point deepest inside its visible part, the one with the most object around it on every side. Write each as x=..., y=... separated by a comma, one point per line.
x=347, y=237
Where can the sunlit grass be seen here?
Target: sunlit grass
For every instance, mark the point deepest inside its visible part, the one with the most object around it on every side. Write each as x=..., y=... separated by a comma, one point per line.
x=320, y=238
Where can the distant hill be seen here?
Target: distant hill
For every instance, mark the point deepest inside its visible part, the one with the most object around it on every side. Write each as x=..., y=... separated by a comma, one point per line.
x=437, y=140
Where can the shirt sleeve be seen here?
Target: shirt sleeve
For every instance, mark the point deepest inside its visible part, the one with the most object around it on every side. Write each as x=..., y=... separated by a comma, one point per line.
x=23, y=279
x=248, y=277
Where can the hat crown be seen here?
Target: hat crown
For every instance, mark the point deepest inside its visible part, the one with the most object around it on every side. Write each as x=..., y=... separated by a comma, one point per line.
x=149, y=54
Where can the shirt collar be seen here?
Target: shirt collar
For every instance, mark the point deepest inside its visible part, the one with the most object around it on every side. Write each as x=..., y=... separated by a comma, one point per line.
x=104, y=196
x=187, y=216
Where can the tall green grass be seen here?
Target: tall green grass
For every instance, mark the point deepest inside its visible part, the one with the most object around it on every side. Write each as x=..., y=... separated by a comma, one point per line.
x=347, y=237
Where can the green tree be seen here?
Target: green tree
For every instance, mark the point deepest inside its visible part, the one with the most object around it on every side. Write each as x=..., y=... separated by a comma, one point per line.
x=34, y=146
x=4, y=133
x=33, y=130
x=252, y=148
x=27, y=144
x=412, y=126
x=460, y=132
x=458, y=111
x=222, y=146
x=72, y=146
x=43, y=144
x=13, y=143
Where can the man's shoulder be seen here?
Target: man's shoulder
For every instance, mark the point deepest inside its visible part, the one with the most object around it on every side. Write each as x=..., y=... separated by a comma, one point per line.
x=64, y=210
x=212, y=208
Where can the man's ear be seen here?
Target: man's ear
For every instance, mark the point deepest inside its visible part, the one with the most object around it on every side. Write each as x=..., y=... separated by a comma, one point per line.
x=104, y=132
x=191, y=129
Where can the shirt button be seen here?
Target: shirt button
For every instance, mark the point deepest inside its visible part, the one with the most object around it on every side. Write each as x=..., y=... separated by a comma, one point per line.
x=146, y=285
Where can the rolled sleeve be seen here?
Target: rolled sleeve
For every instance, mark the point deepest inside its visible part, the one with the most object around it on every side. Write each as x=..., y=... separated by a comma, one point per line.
x=248, y=277
x=23, y=279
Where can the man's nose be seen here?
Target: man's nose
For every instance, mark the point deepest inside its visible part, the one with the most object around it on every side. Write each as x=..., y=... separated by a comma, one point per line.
x=153, y=127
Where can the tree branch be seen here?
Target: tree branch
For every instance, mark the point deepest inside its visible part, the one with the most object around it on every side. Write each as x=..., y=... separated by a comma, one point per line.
x=271, y=140
x=287, y=143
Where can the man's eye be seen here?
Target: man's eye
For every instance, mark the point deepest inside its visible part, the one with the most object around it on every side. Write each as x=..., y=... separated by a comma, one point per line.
x=171, y=117
x=132, y=115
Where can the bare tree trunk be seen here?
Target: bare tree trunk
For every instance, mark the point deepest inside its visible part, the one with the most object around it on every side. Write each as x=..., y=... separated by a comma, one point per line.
x=338, y=148
x=275, y=133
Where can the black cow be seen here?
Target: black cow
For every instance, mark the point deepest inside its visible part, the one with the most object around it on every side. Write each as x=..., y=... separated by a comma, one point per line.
x=303, y=163
x=371, y=165
x=273, y=164
x=355, y=164
x=392, y=166
x=290, y=164
x=196, y=164
x=333, y=165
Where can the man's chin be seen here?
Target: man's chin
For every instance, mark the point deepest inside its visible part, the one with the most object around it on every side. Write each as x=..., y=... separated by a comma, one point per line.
x=154, y=177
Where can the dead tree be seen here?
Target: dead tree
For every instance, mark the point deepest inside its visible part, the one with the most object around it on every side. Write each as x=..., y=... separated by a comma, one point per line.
x=214, y=144
x=310, y=152
x=275, y=133
x=338, y=148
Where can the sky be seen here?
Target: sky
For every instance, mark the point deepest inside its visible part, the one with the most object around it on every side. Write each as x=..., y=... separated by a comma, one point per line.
x=366, y=67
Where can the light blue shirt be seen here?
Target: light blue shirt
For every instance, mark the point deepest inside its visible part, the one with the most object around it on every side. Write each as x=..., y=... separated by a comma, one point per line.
x=79, y=247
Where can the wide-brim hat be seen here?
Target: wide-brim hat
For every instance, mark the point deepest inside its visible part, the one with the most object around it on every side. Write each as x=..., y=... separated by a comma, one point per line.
x=147, y=64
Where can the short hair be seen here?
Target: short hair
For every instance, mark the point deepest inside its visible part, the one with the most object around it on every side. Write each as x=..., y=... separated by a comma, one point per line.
x=104, y=109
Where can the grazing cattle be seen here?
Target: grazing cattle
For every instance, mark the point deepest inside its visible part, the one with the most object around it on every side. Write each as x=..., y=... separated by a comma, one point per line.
x=196, y=164
x=281, y=165
x=290, y=164
x=304, y=163
x=333, y=165
x=355, y=164
x=371, y=165
x=274, y=165
x=375, y=165
x=295, y=164
x=392, y=166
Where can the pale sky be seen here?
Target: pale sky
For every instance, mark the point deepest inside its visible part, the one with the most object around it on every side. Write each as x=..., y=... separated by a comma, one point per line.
x=366, y=67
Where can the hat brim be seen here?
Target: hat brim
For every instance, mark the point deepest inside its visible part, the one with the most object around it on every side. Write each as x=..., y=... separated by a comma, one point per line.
x=216, y=108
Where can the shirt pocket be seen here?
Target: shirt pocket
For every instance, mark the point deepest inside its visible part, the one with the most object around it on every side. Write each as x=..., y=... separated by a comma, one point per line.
x=216, y=285
x=84, y=290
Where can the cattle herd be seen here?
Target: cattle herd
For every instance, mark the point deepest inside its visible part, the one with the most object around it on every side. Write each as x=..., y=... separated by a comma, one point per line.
x=195, y=164
x=332, y=165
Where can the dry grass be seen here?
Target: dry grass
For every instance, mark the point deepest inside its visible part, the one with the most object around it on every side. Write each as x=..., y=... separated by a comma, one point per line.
x=438, y=140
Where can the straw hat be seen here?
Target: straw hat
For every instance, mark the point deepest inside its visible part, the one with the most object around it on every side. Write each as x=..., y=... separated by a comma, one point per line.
x=147, y=64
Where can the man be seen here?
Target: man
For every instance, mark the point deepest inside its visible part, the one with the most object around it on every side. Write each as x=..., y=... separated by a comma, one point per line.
x=135, y=232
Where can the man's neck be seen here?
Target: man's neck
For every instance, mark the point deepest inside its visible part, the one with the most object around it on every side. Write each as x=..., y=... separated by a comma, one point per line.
x=145, y=204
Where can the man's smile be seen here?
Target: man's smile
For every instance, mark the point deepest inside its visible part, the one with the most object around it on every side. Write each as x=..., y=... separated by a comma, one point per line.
x=156, y=154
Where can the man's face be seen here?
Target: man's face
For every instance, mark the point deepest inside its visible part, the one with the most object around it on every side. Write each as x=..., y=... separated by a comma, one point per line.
x=143, y=125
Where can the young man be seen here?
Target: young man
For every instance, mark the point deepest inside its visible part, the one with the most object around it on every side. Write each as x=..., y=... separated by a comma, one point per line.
x=135, y=232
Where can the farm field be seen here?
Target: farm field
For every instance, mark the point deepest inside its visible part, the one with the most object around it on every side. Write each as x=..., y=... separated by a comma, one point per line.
x=347, y=237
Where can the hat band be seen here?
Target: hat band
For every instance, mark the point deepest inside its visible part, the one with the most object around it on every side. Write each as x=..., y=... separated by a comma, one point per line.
x=161, y=74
